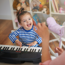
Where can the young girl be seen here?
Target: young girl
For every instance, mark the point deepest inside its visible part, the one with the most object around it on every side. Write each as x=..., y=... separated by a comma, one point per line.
x=27, y=36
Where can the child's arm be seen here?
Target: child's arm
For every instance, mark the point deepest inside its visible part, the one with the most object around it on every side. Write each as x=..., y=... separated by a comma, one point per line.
x=38, y=39
x=13, y=38
x=33, y=43
x=13, y=35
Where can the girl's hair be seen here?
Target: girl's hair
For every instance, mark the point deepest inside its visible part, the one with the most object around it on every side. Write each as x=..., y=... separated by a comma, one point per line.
x=21, y=12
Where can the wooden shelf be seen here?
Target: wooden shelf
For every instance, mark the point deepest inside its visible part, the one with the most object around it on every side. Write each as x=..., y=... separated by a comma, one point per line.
x=58, y=13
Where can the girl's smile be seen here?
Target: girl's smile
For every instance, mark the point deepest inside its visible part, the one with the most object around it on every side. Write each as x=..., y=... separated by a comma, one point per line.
x=29, y=25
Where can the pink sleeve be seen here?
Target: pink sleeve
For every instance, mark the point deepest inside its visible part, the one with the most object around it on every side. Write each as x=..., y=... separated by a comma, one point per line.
x=60, y=60
x=45, y=63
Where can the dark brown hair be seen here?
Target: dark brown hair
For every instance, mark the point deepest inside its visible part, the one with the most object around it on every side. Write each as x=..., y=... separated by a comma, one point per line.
x=21, y=12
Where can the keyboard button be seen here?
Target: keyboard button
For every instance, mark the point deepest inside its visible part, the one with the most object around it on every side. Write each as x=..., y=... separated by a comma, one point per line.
x=39, y=50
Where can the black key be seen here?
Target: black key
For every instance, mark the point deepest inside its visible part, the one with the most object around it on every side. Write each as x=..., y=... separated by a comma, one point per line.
x=35, y=50
x=39, y=50
x=17, y=49
x=7, y=48
x=4, y=48
x=20, y=49
x=25, y=49
x=12, y=49
x=31, y=50
x=0, y=47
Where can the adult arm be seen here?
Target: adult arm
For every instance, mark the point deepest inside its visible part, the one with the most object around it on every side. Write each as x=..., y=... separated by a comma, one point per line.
x=43, y=32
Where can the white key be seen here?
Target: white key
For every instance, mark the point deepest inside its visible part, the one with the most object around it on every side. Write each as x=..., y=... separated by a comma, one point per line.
x=39, y=50
x=36, y=50
x=9, y=48
x=6, y=48
x=28, y=49
x=23, y=49
x=20, y=49
x=2, y=47
x=15, y=48
x=33, y=50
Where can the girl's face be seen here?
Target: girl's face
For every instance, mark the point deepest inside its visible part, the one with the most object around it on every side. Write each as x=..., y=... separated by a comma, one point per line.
x=26, y=21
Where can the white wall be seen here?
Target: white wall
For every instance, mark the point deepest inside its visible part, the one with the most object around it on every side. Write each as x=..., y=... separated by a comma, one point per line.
x=5, y=11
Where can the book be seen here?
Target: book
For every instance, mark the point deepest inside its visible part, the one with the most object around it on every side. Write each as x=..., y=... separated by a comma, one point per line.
x=56, y=5
x=36, y=18
x=53, y=6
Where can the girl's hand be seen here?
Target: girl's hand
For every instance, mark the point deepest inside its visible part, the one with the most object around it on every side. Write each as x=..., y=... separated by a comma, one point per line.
x=33, y=43
x=59, y=50
x=19, y=43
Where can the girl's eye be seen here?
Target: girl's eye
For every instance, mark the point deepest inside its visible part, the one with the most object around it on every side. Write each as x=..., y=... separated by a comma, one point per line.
x=29, y=19
x=24, y=21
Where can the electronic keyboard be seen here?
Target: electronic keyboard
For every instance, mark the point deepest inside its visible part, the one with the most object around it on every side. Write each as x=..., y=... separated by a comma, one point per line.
x=16, y=54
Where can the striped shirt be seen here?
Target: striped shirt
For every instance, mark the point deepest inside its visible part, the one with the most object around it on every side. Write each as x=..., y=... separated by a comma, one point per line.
x=25, y=36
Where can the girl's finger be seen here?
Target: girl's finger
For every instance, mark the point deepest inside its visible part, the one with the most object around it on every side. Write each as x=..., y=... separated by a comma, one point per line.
x=20, y=45
x=29, y=44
